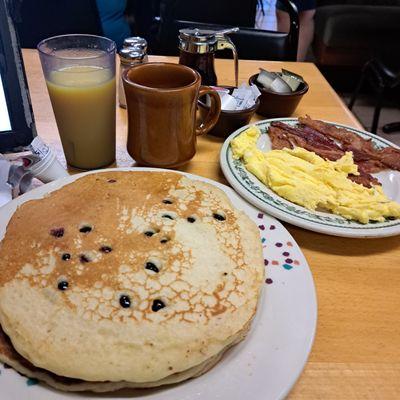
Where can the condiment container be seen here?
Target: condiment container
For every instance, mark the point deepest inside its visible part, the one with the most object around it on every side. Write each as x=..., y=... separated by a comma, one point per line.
x=136, y=42
x=197, y=50
x=128, y=57
x=229, y=120
x=48, y=168
x=276, y=105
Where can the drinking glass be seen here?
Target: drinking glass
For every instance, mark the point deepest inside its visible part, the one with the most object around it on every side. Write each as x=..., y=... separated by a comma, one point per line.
x=80, y=77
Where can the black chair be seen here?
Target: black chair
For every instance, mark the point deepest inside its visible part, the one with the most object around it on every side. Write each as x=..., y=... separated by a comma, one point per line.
x=382, y=79
x=220, y=12
x=39, y=19
x=253, y=44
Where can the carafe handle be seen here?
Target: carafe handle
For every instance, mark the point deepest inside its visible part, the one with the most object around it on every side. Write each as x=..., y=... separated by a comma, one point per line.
x=224, y=42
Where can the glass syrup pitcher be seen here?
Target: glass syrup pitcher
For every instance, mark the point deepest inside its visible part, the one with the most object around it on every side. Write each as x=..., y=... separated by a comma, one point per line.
x=197, y=50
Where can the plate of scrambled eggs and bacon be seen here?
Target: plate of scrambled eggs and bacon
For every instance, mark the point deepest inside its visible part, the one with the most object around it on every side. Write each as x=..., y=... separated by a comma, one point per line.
x=318, y=175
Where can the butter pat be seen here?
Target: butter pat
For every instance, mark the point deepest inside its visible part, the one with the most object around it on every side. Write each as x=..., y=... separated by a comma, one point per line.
x=265, y=78
x=279, y=82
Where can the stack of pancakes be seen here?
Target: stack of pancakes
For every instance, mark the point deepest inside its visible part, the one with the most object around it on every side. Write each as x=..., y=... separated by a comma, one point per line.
x=126, y=279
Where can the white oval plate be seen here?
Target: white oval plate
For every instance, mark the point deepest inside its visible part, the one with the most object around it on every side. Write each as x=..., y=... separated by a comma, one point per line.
x=248, y=186
x=264, y=366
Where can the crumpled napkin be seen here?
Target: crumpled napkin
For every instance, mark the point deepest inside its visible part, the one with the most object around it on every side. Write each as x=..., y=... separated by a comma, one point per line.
x=14, y=180
x=5, y=187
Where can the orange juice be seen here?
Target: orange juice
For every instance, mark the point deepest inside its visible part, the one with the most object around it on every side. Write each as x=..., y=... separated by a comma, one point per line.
x=83, y=100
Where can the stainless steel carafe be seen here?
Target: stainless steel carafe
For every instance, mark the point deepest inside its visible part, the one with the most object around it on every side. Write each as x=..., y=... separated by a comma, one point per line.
x=197, y=50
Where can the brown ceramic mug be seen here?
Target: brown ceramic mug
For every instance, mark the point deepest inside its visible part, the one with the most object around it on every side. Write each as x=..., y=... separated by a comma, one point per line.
x=161, y=99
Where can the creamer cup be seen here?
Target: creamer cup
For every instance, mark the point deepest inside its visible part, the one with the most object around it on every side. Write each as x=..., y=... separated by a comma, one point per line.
x=48, y=168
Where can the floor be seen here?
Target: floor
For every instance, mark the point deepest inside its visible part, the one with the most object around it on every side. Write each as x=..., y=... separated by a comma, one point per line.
x=364, y=110
x=364, y=107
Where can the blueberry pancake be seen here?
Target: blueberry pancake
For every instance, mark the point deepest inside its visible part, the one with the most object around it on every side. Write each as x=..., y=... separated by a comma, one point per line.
x=126, y=279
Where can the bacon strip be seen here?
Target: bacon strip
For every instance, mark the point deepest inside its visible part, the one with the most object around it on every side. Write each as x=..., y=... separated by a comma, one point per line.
x=390, y=157
x=281, y=136
x=363, y=149
x=279, y=139
x=364, y=179
x=369, y=166
x=331, y=143
x=298, y=138
x=311, y=135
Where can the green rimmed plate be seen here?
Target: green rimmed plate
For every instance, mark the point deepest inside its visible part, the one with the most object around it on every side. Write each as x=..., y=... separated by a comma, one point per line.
x=248, y=186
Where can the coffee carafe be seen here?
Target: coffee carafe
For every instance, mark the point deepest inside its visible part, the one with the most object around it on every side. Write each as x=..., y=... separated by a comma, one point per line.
x=197, y=50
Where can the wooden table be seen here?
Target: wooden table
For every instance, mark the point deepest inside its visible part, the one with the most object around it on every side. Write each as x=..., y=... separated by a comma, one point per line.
x=356, y=354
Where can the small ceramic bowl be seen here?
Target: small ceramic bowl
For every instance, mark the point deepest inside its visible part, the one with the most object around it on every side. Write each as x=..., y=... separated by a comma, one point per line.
x=275, y=105
x=228, y=121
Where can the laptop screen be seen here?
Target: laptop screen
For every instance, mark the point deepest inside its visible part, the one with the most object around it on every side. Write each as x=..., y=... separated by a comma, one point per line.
x=17, y=127
x=5, y=123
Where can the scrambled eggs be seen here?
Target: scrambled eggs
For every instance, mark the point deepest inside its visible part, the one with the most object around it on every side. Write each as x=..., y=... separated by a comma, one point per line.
x=304, y=178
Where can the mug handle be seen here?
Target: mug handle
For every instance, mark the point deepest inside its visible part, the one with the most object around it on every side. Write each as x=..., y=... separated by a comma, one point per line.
x=215, y=109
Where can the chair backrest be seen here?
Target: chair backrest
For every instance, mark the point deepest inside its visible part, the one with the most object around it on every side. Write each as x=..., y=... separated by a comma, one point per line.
x=221, y=12
x=255, y=44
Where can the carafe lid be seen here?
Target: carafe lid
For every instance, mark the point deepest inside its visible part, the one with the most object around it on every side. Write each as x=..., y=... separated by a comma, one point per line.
x=194, y=40
x=197, y=40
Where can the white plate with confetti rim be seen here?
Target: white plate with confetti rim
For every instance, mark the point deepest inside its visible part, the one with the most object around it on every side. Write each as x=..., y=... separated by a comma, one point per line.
x=254, y=191
x=266, y=364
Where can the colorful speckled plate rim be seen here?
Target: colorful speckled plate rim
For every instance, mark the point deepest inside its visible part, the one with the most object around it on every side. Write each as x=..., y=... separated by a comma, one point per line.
x=266, y=364
x=254, y=191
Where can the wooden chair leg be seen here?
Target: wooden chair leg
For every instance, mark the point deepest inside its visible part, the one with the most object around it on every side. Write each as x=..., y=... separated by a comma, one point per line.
x=377, y=112
x=356, y=91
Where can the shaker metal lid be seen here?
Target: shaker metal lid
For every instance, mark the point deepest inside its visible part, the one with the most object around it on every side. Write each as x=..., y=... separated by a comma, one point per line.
x=135, y=41
x=128, y=54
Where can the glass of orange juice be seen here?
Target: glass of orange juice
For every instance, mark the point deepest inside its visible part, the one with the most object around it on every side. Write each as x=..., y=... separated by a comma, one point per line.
x=80, y=77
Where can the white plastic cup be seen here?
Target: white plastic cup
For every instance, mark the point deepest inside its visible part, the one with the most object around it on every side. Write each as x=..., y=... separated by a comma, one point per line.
x=48, y=169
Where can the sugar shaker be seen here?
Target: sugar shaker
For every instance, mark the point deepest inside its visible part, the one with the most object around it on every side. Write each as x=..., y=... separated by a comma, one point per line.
x=128, y=57
x=136, y=42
